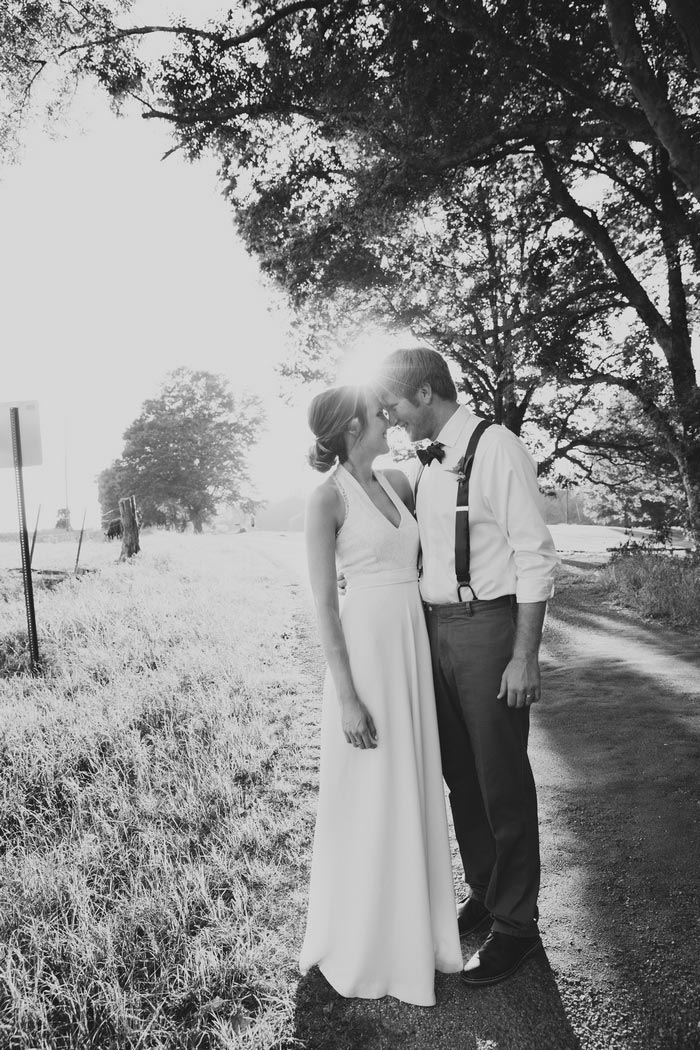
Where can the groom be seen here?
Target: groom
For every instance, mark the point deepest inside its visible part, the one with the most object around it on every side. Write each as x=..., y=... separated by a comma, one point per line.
x=488, y=564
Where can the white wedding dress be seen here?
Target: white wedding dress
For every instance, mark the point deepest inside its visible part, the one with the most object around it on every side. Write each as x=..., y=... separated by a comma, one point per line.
x=382, y=915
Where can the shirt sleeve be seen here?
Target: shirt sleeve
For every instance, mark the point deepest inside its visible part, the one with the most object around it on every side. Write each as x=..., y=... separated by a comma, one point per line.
x=511, y=494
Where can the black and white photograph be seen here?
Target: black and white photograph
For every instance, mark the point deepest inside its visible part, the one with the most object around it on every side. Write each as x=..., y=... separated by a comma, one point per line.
x=350, y=525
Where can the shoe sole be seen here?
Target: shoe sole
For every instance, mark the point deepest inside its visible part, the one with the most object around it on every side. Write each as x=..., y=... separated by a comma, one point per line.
x=477, y=926
x=476, y=983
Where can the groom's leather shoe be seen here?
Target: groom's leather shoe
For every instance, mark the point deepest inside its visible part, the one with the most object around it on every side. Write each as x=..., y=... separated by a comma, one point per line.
x=498, y=957
x=471, y=914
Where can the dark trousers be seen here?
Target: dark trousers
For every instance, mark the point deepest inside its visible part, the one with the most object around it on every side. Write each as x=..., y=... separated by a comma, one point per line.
x=484, y=761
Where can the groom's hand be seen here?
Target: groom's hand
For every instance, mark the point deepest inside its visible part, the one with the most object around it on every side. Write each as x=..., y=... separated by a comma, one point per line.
x=342, y=584
x=520, y=682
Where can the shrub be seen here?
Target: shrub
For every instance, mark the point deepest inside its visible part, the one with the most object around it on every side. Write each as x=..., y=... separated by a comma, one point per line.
x=658, y=584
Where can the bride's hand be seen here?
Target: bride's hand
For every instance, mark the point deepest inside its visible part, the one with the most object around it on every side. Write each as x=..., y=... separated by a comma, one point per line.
x=358, y=725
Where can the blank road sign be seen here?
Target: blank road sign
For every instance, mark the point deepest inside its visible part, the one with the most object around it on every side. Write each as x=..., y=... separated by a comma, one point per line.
x=30, y=434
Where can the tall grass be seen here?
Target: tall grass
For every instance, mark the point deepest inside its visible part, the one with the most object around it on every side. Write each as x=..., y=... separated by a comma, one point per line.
x=155, y=807
x=659, y=586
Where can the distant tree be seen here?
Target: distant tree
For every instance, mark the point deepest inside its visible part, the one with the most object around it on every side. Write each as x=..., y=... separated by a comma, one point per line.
x=618, y=502
x=185, y=454
x=630, y=481
x=112, y=485
x=63, y=518
x=565, y=504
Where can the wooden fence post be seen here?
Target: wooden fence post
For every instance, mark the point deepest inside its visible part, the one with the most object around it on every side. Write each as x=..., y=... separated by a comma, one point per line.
x=130, y=528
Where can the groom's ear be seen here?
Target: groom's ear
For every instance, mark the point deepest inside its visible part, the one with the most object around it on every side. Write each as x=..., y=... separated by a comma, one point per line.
x=424, y=393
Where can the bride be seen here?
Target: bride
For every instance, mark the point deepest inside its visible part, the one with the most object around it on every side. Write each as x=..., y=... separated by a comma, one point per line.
x=381, y=915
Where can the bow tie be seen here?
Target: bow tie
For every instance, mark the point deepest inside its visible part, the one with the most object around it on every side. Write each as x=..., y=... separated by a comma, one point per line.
x=434, y=451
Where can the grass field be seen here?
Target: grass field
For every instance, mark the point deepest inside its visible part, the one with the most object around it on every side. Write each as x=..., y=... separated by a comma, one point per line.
x=157, y=801
x=158, y=791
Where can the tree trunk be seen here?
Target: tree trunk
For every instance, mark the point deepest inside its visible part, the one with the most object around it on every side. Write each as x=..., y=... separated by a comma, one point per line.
x=689, y=470
x=130, y=528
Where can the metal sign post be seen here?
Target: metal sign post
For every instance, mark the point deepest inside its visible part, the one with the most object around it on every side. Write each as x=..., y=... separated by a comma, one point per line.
x=20, y=446
x=24, y=538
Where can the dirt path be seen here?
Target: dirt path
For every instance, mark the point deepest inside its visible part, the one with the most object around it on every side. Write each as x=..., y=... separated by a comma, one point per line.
x=616, y=752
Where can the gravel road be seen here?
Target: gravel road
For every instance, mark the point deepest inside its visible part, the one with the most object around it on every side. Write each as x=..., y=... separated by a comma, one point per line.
x=616, y=753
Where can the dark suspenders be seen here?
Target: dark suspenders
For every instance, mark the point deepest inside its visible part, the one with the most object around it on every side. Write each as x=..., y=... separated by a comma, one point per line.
x=462, y=566
x=463, y=470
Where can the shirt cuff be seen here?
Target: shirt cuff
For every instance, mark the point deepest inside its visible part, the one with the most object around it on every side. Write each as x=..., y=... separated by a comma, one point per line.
x=534, y=590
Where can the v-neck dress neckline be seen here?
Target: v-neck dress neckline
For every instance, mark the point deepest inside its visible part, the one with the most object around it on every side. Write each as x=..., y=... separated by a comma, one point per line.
x=386, y=487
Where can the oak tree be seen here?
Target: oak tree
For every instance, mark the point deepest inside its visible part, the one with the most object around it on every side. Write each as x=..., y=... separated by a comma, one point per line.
x=185, y=454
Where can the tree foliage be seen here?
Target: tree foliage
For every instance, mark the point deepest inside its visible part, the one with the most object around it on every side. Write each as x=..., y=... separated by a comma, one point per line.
x=38, y=68
x=483, y=274
x=185, y=454
x=325, y=113
x=630, y=480
x=321, y=107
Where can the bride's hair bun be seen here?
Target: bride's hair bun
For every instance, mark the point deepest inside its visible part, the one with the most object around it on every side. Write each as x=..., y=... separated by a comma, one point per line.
x=321, y=457
x=330, y=414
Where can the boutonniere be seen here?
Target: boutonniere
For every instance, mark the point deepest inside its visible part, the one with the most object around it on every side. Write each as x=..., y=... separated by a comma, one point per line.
x=457, y=471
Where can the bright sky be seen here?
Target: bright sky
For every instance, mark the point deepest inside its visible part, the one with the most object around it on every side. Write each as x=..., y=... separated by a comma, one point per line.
x=115, y=268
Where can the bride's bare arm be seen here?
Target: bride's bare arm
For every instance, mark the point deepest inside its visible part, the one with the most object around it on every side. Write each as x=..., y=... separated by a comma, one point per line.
x=324, y=515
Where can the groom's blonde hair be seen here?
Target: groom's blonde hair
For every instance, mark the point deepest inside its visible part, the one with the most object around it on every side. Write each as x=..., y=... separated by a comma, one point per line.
x=404, y=371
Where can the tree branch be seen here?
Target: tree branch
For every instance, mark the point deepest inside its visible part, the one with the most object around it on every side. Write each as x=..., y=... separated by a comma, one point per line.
x=684, y=154
x=480, y=24
x=216, y=118
x=590, y=225
x=225, y=43
x=504, y=141
x=657, y=416
x=124, y=34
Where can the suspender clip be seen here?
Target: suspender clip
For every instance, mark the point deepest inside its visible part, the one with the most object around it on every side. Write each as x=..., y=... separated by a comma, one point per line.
x=472, y=596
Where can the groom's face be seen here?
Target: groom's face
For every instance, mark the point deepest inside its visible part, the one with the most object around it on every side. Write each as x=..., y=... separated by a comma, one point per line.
x=412, y=415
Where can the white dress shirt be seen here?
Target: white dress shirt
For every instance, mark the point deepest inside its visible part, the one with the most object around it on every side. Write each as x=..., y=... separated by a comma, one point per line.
x=512, y=551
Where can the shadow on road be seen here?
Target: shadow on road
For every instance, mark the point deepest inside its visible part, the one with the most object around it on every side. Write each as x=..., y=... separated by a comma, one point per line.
x=521, y=1014
x=618, y=739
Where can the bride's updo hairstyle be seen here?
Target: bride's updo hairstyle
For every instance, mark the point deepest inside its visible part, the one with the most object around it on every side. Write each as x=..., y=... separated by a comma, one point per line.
x=330, y=414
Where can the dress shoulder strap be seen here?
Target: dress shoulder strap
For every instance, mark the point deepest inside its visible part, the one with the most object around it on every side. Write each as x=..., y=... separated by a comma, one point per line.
x=335, y=478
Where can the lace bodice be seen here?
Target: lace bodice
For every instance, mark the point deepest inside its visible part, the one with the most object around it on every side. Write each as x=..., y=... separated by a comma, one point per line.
x=367, y=542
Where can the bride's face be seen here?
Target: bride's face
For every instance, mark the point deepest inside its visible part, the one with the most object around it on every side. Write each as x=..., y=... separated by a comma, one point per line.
x=374, y=437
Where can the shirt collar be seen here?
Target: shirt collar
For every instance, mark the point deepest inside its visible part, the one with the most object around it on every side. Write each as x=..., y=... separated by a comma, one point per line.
x=453, y=428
